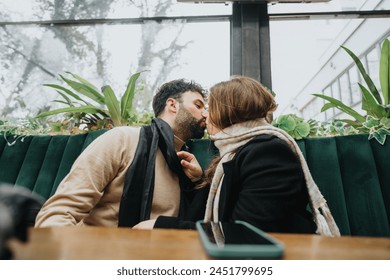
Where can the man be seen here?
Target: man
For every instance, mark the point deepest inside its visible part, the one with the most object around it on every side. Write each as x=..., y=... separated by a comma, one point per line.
x=132, y=174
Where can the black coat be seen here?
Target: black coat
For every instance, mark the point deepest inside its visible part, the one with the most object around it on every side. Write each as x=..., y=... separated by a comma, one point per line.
x=263, y=185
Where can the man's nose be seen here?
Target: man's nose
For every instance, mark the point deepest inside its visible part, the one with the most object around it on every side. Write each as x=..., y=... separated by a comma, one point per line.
x=205, y=113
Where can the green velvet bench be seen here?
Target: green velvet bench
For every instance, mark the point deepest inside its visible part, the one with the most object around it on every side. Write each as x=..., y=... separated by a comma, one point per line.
x=352, y=172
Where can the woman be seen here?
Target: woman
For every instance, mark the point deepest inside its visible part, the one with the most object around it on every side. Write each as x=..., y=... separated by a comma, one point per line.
x=261, y=176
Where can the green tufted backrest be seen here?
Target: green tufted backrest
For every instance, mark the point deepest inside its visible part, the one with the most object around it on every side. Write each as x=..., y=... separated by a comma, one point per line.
x=40, y=162
x=352, y=173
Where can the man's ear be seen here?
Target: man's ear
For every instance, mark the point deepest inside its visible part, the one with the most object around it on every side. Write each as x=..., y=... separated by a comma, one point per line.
x=172, y=105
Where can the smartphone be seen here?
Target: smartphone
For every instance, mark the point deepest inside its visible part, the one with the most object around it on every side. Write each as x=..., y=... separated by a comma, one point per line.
x=238, y=240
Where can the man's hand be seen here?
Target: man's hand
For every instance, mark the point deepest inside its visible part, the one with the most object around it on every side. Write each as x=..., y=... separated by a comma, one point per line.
x=148, y=224
x=191, y=167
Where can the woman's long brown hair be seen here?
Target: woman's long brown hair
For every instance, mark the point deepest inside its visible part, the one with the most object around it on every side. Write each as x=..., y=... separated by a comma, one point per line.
x=234, y=101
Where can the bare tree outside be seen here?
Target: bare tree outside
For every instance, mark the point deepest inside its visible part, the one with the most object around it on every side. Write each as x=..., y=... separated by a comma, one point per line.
x=31, y=55
x=162, y=56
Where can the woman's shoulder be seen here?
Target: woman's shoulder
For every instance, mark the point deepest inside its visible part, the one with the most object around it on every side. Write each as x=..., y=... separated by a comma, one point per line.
x=266, y=146
x=266, y=142
x=265, y=150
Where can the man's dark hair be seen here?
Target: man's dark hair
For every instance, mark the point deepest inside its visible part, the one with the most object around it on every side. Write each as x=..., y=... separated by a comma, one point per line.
x=174, y=89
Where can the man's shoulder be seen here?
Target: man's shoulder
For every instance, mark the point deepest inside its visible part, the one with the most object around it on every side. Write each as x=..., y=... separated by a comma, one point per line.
x=125, y=131
x=119, y=135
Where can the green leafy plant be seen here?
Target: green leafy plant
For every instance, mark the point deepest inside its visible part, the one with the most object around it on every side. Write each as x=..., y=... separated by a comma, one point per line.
x=376, y=107
x=334, y=128
x=378, y=129
x=299, y=128
x=296, y=126
x=95, y=108
x=12, y=130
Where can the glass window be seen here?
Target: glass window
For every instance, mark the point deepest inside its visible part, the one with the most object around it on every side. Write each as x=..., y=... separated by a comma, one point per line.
x=345, y=89
x=330, y=112
x=297, y=50
x=373, y=67
x=33, y=10
x=334, y=6
x=304, y=113
x=336, y=91
x=312, y=110
x=108, y=54
x=305, y=54
x=356, y=96
x=307, y=110
x=317, y=105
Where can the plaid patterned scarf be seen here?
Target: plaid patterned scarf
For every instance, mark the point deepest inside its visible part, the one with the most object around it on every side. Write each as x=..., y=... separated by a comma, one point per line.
x=237, y=135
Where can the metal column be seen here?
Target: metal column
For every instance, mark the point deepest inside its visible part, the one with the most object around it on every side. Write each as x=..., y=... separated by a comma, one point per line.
x=250, y=42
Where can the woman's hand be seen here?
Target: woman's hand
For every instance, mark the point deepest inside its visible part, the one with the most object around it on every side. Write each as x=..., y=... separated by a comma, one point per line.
x=148, y=224
x=191, y=167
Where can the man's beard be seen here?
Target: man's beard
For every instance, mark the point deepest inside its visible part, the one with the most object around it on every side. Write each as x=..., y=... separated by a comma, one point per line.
x=187, y=126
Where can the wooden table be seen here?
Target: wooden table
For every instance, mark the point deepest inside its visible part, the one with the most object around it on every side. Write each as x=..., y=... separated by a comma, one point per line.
x=96, y=243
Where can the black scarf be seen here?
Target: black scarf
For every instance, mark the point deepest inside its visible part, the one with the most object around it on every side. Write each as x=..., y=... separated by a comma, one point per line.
x=136, y=201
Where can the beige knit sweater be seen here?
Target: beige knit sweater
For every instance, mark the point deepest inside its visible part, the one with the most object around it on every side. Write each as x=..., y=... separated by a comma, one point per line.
x=90, y=194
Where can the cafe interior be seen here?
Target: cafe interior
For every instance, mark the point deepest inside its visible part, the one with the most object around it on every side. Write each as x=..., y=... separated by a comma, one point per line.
x=293, y=47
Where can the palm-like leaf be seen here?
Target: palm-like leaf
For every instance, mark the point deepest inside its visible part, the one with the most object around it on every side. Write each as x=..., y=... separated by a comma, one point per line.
x=384, y=72
x=82, y=80
x=341, y=106
x=128, y=96
x=351, y=122
x=112, y=105
x=118, y=112
x=67, y=91
x=328, y=106
x=370, y=105
x=85, y=90
x=366, y=78
x=82, y=109
x=63, y=102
